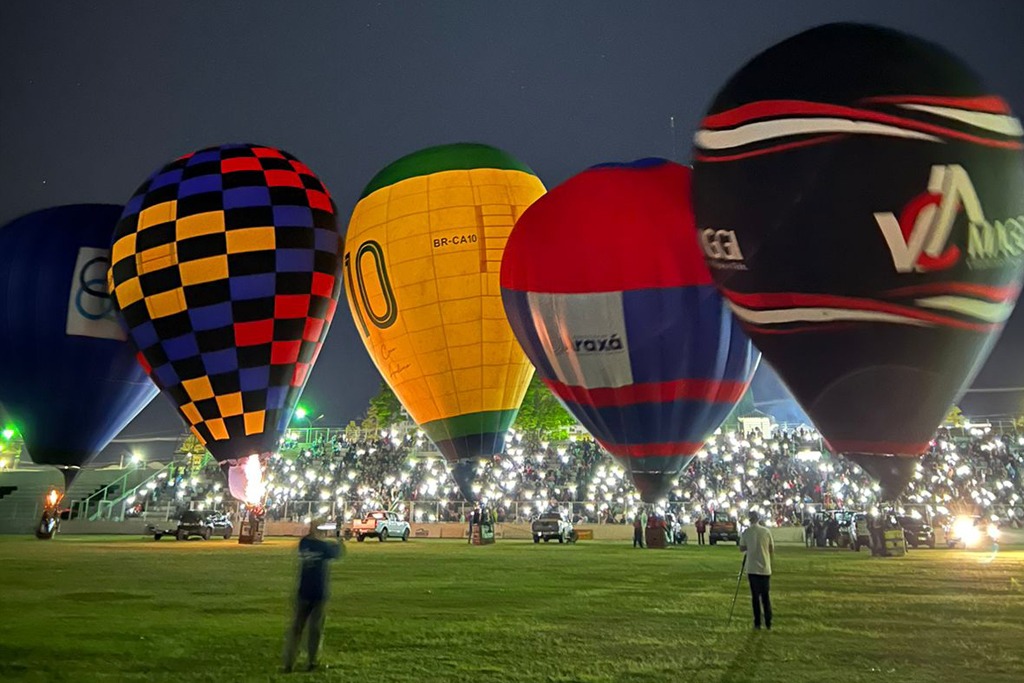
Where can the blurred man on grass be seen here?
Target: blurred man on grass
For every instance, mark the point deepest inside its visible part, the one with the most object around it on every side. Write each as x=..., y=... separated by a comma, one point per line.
x=315, y=554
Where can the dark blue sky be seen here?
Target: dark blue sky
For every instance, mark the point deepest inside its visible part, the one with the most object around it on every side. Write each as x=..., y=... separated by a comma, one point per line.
x=94, y=96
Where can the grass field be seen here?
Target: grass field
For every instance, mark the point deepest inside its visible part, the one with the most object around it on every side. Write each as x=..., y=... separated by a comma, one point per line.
x=94, y=609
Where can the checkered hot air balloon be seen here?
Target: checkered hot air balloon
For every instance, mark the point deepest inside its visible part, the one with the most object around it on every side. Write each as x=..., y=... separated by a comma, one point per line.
x=226, y=269
x=607, y=292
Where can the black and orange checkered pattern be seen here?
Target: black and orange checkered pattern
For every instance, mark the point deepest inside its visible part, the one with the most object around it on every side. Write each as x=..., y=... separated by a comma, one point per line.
x=225, y=266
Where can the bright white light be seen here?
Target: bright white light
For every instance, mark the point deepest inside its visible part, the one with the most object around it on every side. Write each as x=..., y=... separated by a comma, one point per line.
x=245, y=480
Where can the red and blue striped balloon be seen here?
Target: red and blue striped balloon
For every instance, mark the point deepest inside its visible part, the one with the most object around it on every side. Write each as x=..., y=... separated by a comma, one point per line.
x=607, y=291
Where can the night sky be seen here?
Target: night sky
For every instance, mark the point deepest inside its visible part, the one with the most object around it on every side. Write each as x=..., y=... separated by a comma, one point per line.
x=95, y=96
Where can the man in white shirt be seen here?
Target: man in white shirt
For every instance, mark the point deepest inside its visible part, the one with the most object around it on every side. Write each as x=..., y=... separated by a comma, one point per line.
x=757, y=543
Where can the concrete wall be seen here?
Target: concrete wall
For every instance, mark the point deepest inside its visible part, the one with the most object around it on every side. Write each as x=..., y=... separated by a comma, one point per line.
x=451, y=530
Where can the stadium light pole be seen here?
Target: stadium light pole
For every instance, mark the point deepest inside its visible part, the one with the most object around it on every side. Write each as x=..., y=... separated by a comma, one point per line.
x=303, y=413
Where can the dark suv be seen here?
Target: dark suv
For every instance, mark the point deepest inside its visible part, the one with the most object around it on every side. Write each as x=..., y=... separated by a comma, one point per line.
x=202, y=523
x=916, y=531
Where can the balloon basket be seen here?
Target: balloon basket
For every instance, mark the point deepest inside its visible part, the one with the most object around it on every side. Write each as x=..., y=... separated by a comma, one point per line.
x=483, y=534
x=895, y=543
x=252, y=528
x=49, y=523
x=655, y=537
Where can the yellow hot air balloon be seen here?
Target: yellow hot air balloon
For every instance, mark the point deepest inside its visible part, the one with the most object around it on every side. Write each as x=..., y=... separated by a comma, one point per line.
x=422, y=266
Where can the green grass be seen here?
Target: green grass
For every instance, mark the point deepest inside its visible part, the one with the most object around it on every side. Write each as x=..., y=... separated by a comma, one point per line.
x=95, y=609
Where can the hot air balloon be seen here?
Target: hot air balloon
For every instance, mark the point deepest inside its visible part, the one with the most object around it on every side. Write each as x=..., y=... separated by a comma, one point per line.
x=607, y=292
x=771, y=397
x=422, y=261
x=859, y=197
x=70, y=382
x=226, y=269
x=998, y=390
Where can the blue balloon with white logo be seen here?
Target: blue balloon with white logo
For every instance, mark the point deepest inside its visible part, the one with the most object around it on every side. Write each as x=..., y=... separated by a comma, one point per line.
x=69, y=381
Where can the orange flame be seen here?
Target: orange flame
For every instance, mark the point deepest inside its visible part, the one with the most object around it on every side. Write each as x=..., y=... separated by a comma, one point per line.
x=53, y=498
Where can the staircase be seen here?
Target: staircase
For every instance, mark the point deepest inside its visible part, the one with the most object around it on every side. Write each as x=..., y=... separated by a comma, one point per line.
x=93, y=494
x=109, y=502
x=22, y=491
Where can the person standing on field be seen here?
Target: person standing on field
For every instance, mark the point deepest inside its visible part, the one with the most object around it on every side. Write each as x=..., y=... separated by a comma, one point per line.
x=702, y=526
x=757, y=543
x=638, y=532
x=315, y=555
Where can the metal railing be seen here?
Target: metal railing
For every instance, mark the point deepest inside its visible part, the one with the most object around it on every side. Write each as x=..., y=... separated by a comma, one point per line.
x=113, y=509
x=523, y=511
x=515, y=511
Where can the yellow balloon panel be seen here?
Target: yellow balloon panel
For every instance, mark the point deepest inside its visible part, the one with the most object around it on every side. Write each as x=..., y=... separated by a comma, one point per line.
x=423, y=258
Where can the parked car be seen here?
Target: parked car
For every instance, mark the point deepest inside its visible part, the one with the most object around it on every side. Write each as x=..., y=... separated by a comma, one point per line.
x=843, y=519
x=722, y=527
x=551, y=525
x=203, y=523
x=858, y=532
x=971, y=531
x=382, y=525
x=916, y=531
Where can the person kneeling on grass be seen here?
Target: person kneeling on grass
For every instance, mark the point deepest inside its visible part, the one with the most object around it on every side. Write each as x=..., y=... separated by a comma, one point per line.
x=310, y=603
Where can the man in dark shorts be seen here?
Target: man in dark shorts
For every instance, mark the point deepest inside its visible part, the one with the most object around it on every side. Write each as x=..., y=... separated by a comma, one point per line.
x=315, y=555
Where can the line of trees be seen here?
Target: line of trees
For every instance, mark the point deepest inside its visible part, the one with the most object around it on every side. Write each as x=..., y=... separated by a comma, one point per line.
x=542, y=417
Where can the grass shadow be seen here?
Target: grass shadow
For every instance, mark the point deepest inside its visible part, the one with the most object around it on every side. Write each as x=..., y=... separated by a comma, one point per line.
x=744, y=666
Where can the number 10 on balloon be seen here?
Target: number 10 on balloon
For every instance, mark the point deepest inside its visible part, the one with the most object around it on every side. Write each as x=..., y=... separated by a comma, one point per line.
x=387, y=318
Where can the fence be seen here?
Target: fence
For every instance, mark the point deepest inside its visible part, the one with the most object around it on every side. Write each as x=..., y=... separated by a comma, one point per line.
x=515, y=511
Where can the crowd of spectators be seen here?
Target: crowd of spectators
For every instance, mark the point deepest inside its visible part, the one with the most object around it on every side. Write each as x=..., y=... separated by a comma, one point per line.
x=783, y=474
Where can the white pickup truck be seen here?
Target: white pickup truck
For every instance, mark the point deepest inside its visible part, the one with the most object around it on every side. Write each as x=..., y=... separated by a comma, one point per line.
x=382, y=525
x=553, y=524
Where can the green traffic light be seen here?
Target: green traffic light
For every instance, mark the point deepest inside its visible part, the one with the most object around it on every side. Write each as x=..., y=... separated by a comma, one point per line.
x=300, y=413
x=8, y=434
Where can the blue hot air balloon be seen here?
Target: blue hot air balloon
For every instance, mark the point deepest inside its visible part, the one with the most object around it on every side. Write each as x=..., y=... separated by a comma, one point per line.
x=70, y=381
x=606, y=290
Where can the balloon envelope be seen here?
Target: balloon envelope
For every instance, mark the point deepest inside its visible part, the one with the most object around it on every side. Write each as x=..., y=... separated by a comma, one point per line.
x=772, y=398
x=70, y=381
x=607, y=292
x=859, y=196
x=226, y=269
x=422, y=260
x=998, y=390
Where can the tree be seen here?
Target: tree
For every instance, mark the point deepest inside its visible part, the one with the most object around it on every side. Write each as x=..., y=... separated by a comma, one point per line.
x=955, y=418
x=542, y=416
x=385, y=409
x=352, y=432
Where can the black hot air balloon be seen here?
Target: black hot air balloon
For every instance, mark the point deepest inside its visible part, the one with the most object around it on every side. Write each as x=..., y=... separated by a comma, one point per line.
x=860, y=199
